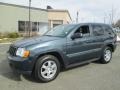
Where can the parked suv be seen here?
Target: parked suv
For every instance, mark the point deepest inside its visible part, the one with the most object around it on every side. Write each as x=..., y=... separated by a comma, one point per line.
x=62, y=47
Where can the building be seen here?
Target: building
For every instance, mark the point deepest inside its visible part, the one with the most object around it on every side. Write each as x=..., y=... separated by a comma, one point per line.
x=57, y=17
x=15, y=18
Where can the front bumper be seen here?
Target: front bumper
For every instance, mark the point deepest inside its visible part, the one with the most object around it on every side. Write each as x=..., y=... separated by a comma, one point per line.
x=21, y=65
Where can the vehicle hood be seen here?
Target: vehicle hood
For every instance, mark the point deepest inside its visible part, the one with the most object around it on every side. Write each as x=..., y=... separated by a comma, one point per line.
x=34, y=40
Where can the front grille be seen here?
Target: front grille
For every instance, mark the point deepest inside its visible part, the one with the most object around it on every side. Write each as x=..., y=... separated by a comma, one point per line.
x=12, y=50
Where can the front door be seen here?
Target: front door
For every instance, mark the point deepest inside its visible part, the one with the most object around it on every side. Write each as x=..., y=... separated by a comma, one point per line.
x=80, y=49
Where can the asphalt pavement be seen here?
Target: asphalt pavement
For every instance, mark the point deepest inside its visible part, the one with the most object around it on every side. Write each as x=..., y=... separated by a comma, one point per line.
x=93, y=76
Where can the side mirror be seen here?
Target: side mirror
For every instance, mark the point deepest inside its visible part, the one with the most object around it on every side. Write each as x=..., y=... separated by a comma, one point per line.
x=77, y=35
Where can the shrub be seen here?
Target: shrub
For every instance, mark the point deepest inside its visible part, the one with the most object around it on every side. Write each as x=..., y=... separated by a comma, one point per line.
x=1, y=36
x=9, y=35
x=13, y=35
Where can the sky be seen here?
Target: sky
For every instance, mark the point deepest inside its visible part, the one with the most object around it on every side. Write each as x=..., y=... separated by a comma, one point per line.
x=89, y=10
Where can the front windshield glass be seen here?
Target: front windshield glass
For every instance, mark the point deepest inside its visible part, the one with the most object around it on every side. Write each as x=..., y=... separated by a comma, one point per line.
x=61, y=30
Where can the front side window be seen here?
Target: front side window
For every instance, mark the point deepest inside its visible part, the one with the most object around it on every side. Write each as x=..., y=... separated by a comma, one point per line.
x=84, y=30
x=98, y=30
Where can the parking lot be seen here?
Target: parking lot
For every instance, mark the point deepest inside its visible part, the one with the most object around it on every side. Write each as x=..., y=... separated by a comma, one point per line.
x=93, y=76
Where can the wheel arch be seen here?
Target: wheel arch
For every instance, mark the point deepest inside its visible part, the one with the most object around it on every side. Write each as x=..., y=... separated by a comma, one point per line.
x=56, y=54
x=111, y=46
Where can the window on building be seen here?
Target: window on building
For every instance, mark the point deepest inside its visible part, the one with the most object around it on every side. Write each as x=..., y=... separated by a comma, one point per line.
x=21, y=25
x=38, y=26
x=98, y=30
x=57, y=22
x=34, y=26
x=54, y=25
x=24, y=26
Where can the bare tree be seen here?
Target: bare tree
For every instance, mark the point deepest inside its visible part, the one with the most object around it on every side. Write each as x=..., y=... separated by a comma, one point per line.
x=117, y=24
x=112, y=15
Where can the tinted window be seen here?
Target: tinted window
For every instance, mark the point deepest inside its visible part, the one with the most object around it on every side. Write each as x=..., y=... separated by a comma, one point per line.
x=84, y=30
x=108, y=30
x=98, y=30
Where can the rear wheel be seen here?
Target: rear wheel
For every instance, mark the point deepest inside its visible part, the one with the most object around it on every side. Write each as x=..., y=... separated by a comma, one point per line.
x=47, y=68
x=106, y=56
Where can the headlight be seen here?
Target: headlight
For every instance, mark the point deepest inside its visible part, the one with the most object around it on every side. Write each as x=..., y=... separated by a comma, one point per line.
x=22, y=52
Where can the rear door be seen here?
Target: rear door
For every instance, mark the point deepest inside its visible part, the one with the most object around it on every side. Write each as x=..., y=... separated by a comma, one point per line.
x=98, y=38
x=109, y=34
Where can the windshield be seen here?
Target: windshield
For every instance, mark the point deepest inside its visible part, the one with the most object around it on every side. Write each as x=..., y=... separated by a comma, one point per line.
x=61, y=30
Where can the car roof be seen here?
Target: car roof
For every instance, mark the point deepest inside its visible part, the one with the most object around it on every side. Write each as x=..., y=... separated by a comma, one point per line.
x=102, y=24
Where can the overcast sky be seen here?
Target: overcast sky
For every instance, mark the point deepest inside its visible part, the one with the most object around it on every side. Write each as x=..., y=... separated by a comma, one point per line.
x=89, y=10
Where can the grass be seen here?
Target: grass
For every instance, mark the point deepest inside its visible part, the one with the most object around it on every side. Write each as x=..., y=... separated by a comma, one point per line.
x=9, y=40
x=9, y=37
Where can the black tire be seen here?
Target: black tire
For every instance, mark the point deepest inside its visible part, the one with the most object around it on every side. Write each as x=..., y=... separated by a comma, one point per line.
x=103, y=59
x=42, y=60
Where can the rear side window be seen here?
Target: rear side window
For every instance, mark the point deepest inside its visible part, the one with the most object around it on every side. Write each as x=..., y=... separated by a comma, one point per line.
x=97, y=30
x=108, y=30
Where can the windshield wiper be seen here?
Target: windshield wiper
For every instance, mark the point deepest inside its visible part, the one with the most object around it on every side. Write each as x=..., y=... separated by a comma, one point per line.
x=48, y=35
x=53, y=36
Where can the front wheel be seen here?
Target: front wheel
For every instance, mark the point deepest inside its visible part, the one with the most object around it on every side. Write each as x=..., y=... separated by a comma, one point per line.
x=47, y=68
x=106, y=56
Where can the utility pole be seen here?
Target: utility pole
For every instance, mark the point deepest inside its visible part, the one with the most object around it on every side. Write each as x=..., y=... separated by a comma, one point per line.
x=77, y=17
x=112, y=15
x=94, y=19
x=104, y=19
x=29, y=18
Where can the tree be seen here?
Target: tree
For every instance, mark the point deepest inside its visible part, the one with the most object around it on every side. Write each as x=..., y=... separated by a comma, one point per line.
x=117, y=24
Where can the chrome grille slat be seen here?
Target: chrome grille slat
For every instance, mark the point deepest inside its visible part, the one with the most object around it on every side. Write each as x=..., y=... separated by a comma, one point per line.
x=12, y=50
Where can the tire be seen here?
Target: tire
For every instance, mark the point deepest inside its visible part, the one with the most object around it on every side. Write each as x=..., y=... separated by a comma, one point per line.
x=106, y=55
x=47, y=68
